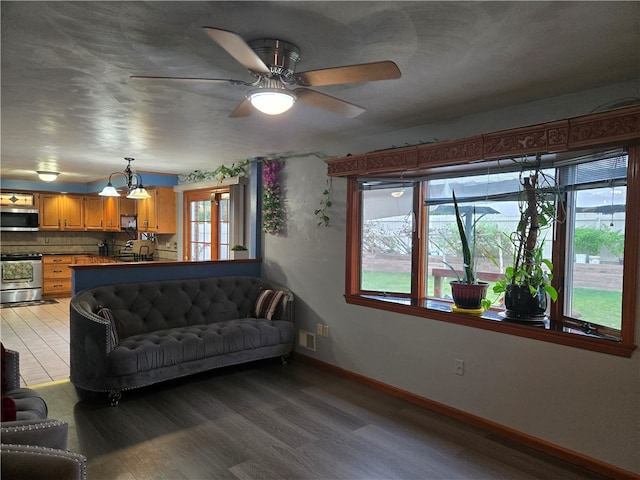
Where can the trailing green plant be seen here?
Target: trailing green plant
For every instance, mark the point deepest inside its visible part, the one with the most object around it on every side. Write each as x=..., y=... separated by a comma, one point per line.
x=218, y=174
x=529, y=268
x=325, y=204
x=238, y=248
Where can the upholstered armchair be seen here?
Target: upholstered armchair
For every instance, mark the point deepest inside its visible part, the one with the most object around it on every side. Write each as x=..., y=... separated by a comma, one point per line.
x=32, y=446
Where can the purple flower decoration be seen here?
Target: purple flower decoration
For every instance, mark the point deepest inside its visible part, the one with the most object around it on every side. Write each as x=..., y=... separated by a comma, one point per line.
x=272, y=213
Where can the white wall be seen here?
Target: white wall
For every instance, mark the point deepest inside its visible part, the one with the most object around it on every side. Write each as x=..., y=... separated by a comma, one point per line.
x=584, y=401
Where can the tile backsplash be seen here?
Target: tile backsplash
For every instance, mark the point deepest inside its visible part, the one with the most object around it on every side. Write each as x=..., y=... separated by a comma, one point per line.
x=77, y=243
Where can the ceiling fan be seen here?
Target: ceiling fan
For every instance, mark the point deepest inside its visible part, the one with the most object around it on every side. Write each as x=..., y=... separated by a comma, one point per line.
x=277, y=86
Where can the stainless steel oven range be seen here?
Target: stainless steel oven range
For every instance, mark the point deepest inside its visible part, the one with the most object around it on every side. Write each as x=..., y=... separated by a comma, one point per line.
x=21, y=277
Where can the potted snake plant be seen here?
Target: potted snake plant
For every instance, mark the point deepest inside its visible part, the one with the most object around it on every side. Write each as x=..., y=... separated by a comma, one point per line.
x=468, y=292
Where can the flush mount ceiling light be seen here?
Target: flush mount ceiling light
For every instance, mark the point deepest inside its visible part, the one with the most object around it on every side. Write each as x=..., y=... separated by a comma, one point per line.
x=47, y=176
x=134, y=184
x=272, y=98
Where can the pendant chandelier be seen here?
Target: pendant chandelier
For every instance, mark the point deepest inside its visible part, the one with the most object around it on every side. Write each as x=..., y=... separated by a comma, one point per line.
x=134, y=184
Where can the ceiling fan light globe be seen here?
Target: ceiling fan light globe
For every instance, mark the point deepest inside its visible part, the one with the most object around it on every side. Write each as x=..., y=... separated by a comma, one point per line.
x=272, y=101
x=109, y=191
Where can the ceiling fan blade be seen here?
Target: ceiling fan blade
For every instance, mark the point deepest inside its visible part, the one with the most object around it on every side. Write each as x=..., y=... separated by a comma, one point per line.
x=235, y=46
x=194, y=79
x=366, y=72
x=327, y=102
x=244, y=109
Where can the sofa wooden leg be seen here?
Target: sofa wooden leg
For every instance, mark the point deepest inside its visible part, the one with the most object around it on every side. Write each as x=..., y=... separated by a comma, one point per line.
x=285, y=358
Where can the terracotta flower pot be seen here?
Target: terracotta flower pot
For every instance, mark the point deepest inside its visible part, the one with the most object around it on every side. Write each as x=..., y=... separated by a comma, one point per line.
x=468, y=295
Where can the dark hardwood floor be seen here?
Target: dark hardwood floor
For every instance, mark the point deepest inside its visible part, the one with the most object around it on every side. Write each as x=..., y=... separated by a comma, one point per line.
x=268, y=421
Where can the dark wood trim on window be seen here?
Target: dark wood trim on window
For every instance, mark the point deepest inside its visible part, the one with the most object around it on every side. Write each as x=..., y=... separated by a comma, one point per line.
x=354, y=209
x=619, y=127
x=419, y=252
x=615, y=127
x=509, y=328
x=631, y=241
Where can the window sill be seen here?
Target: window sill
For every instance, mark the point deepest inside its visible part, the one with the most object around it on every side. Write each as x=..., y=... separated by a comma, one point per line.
x=441, y=311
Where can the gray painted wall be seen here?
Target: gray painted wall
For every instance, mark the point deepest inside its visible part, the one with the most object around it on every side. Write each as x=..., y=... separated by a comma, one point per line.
x=591, y=406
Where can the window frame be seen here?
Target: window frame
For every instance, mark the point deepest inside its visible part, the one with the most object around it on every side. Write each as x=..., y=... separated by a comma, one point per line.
x=406, y=164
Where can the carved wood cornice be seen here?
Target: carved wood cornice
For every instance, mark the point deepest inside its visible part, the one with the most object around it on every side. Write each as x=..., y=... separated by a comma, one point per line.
x=604, y=128
x=397, y=159
x=621, y=126
x=444, y=153
x=548, y=137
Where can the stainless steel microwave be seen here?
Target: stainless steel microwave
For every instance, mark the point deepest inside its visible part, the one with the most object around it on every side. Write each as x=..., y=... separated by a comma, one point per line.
x=14, y=219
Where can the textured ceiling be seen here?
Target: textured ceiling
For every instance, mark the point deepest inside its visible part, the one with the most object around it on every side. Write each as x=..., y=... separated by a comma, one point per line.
x=68, y=103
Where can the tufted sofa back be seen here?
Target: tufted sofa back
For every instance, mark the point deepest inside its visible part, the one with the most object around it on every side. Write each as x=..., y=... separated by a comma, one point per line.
x=150, y=306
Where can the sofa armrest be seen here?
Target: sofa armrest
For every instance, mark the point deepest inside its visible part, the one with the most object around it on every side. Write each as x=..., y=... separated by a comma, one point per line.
x=90, y=343
x=38, y=463
x=43, y=433
x=12, y=369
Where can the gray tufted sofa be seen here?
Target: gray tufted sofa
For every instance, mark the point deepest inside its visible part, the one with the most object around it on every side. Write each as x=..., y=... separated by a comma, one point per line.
x=162, y=330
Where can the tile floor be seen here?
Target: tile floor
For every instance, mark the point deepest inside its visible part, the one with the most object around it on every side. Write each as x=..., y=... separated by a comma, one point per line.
x=41, y=335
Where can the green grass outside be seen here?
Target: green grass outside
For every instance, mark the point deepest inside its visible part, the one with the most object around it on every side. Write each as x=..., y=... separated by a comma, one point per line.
x=602, y=307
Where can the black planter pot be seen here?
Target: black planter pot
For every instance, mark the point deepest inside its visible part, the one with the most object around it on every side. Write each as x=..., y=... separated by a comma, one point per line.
x=519, y=302
x=468, y=295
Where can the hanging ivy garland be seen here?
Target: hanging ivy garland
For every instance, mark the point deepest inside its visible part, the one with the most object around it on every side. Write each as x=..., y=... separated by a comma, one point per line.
x=272, y=211
x=272, y=203
x=218, y=174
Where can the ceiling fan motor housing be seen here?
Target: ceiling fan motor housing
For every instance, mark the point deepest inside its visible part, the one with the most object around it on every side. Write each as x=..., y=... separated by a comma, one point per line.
x=280, y=56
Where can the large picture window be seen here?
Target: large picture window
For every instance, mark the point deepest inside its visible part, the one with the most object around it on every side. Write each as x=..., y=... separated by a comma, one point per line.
x=409, y=248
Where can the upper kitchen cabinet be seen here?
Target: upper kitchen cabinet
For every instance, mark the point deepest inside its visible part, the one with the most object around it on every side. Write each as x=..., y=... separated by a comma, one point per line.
x=127, y=206
x=111, y=213
x=93, y=212
x=61, y=212
x=158, y=213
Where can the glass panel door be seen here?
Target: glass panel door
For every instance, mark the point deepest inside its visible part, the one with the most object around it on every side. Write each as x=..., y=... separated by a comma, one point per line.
x=207, y=225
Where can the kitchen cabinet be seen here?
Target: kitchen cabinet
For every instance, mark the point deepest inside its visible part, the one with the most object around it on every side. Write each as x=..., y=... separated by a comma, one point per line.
x=56, y=275
x=127, y=206
x=61, y=212
x=93, y=212
x=158, y=213
x=50, y=211
x=111, y=214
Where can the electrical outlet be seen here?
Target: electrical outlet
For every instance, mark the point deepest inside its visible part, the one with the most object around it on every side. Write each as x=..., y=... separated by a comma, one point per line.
x=459, y=367
x=46, y=239
x=319, y=329
x=325, y=330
